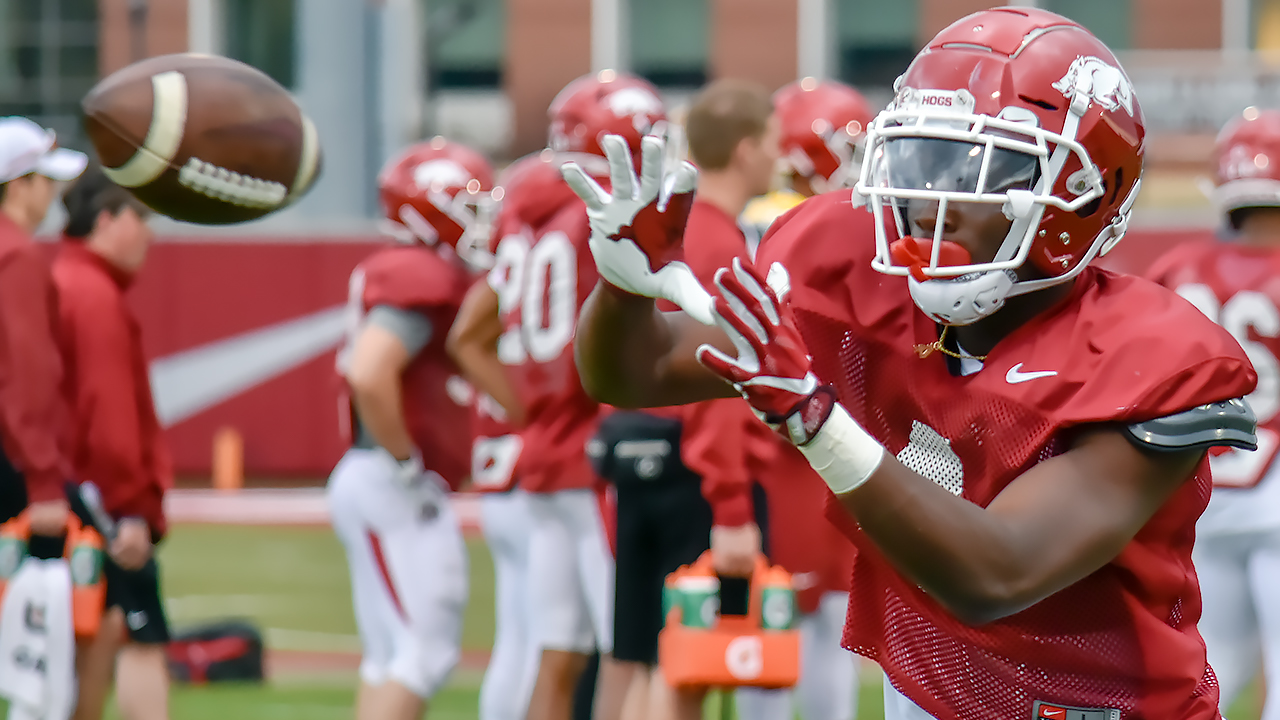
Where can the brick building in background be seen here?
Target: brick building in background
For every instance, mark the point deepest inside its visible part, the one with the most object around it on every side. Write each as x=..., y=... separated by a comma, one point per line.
x=375, y=74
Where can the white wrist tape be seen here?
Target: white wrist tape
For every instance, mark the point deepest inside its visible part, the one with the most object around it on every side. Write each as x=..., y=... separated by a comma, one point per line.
x=842, y=452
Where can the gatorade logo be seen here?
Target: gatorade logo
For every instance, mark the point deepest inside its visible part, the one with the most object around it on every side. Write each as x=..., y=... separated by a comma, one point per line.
x=744, y=658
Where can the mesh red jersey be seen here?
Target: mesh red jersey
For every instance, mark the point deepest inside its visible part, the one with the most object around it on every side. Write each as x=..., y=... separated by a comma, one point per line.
x=1238, y=287
x=1120, y=349
x=549, y=271
x=816, y=554
x=436, y=398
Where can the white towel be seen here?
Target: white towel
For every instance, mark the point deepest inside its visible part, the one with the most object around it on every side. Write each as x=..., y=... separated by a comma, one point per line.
x=37, y=642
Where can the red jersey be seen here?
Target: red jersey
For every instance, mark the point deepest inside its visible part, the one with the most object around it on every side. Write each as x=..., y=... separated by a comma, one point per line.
x=816, y=553
x=1120, y=349
x=117, y=441
x=545, y=272
x=436, y=398
x=1238, y=287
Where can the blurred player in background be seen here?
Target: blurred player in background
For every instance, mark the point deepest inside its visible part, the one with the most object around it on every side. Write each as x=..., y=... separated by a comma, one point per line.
x=543, y=272
x=117, y=442
x=735, y=134
x=34, y=416
x=821, y=132
x=410, y=428
x=532, y=190
x=1237, y=285
x=822, y=125
x=1017, y=441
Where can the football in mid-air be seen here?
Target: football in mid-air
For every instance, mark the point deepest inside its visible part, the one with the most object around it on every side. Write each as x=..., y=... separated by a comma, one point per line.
x=202, y=138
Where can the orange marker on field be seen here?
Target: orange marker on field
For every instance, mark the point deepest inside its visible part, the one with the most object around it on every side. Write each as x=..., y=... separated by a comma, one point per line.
x=228, y=459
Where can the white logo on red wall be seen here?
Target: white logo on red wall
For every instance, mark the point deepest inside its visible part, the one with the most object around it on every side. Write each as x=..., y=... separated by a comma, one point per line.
x=1098, y=80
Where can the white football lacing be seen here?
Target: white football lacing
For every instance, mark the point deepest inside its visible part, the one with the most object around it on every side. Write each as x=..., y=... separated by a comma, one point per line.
x=232, y=187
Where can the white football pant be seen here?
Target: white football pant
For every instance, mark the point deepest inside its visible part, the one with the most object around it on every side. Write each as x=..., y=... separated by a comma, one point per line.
x=408, y=573
x=1240, y=583
x=828, y=687
x=570, y=572
x=513, y=664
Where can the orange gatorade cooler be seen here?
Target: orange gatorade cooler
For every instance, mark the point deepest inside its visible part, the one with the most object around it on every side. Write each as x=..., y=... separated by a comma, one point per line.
x=699, y=647
x=84, y=554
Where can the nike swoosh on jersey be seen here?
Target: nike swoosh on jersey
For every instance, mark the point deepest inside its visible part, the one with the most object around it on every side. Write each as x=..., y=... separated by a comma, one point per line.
x=1015, y=374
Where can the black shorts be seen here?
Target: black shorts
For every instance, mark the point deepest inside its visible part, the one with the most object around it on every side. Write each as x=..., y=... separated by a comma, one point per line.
x=663, y=522
x=135, y=592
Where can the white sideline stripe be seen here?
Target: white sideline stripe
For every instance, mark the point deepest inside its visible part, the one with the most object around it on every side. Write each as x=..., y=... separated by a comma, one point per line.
x=292, y=506
x=192, y=381
x=168, y=123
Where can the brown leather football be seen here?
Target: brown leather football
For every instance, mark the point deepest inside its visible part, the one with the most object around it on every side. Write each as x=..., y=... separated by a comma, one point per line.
x=202, y=138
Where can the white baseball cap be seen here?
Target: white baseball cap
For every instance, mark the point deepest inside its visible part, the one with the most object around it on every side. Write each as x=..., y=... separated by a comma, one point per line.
x=26, y=148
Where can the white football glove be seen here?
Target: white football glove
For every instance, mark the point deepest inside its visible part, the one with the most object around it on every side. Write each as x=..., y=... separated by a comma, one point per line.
x=637, y=227
x=424, y=488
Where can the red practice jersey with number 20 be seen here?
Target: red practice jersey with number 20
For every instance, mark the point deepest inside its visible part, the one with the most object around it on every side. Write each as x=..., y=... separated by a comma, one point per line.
x=1119, y=350
x=551, y=268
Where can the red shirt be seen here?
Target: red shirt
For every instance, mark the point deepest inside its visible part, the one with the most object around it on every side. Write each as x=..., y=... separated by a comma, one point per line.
x=1122, y=350
x=436, y=400
x=817, y=555
x=34, y=418
x=117, y=440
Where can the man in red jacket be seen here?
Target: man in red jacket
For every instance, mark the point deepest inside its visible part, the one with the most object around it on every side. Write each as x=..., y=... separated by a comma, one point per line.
x=33, y=416
x=116, y=441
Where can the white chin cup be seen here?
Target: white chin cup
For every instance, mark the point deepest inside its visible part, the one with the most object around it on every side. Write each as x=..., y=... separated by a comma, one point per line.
x=962, y=300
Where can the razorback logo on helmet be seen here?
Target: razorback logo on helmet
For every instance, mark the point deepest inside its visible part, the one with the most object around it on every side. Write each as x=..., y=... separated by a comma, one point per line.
x=439, y=174
x=1241, y=162
x=638, y=104
x=1098, y=80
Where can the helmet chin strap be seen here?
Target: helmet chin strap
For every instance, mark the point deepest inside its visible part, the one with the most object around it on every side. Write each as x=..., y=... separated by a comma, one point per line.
x=963, y=300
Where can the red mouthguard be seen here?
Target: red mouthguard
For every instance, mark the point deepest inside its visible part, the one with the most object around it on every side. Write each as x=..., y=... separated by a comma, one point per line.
x=914, y=253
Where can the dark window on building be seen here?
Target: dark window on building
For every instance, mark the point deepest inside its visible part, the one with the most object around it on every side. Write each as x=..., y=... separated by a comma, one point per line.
x=875, y=40
x=466, y=42
x=261, y=33
x=1110, y=20
x=669, y=41
x=48, y=61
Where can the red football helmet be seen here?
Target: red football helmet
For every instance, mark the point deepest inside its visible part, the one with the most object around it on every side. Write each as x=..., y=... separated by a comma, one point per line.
x=823, y=127
x=1016, y=107
x=531, y=189
x=1246, y=158
x=439, y=192
x=607, y=103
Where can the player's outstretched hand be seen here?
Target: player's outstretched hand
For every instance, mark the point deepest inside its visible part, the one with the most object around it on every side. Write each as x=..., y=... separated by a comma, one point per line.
x=637, y=226
x=772, y=369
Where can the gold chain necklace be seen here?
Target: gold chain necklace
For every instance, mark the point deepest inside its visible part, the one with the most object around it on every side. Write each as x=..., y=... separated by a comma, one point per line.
x=927, y=349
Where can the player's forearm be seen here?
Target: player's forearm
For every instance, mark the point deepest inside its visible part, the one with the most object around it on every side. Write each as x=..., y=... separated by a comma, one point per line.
x=481, y=367
x=631, y=355
x=381, y=413
x=964, y=557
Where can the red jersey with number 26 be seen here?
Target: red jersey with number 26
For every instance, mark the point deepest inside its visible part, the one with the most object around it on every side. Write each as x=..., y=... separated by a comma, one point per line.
x=552, y=268
x=1238, y=287
x=1120, y=350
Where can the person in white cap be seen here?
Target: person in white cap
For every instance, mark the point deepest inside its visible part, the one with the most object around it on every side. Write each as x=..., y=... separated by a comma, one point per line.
x=34, y=418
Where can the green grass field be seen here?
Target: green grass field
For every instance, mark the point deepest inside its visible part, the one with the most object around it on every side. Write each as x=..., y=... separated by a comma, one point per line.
x=292, y=583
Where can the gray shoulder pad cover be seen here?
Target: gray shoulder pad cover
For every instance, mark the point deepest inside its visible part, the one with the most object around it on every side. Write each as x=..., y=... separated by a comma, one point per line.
x=1227, y=423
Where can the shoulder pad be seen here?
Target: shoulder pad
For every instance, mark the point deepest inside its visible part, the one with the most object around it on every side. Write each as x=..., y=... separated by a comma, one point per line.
x=1227, y=423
